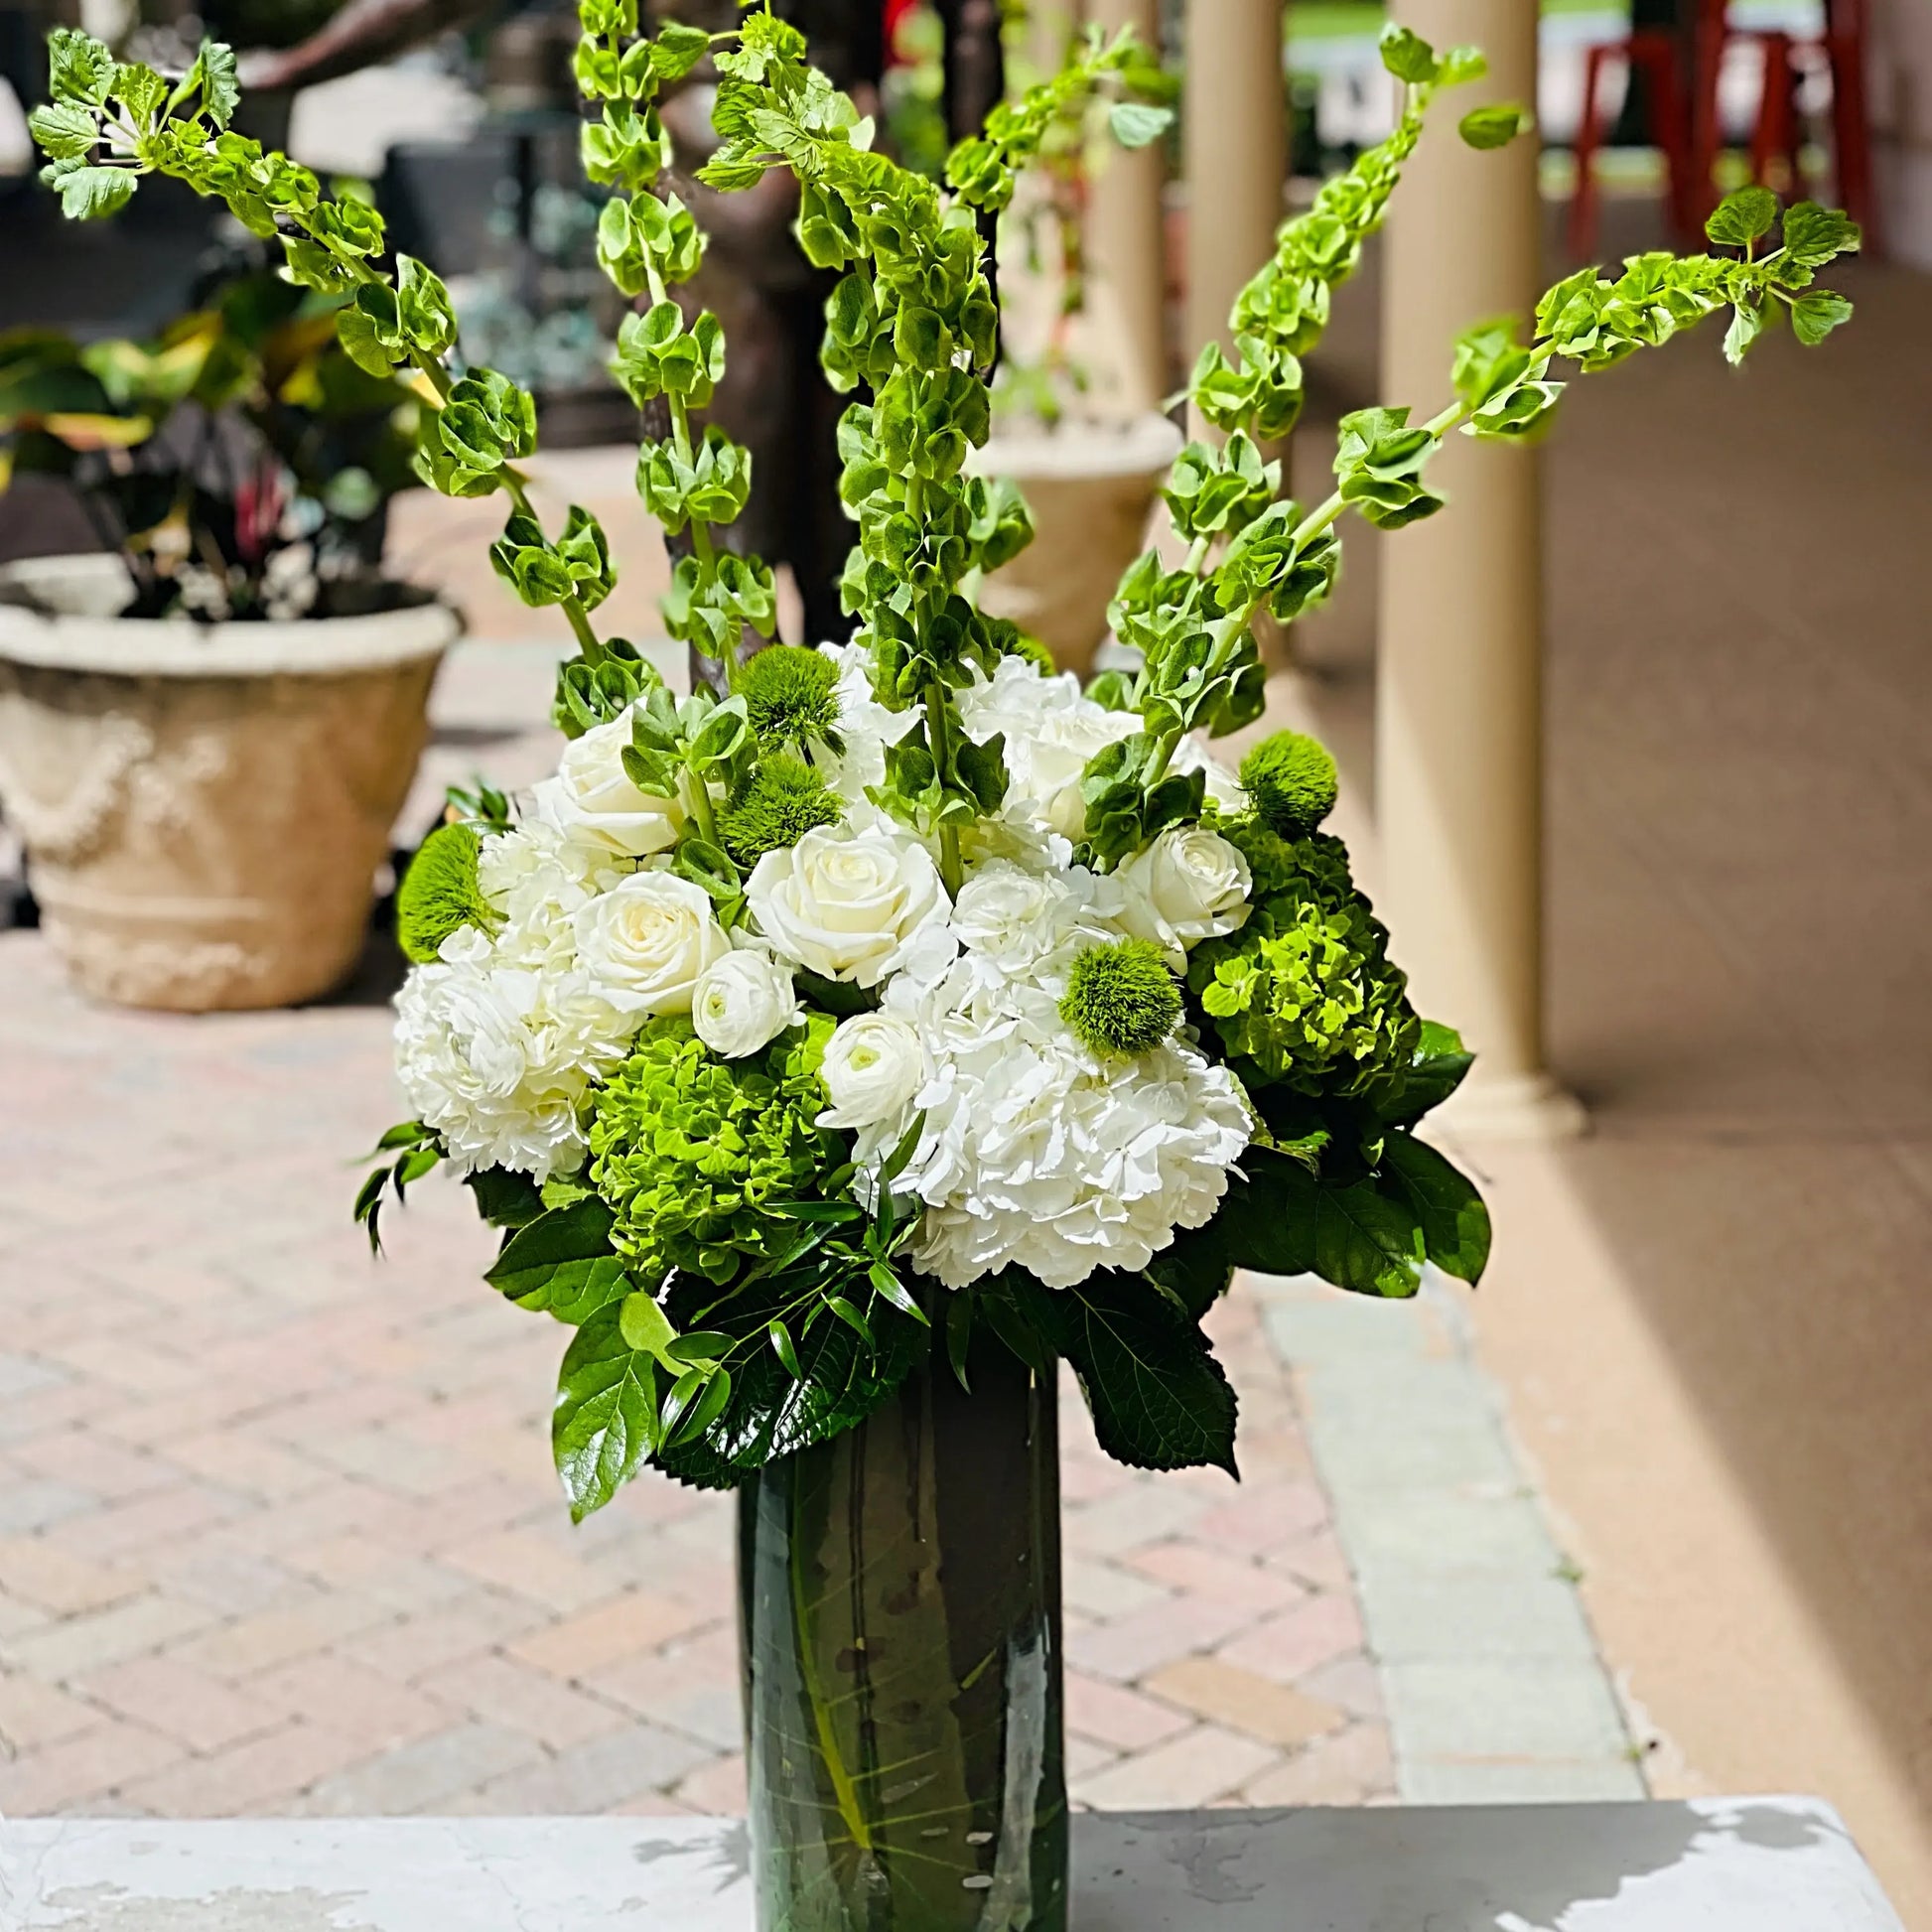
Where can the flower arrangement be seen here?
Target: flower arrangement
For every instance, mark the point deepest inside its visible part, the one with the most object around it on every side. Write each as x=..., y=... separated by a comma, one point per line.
x=875, y=997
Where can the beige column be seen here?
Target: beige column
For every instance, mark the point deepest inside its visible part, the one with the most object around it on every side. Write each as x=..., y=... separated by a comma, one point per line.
x=1458, y=697
x=1127, y=293
x=1235, y=150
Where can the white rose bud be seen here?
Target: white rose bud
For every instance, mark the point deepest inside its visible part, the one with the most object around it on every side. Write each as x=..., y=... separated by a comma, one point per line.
x=647, y=941
x=851, y=906
x=592, y=802
x=743, y=1001
x=874, y=1065
x=1189, y=885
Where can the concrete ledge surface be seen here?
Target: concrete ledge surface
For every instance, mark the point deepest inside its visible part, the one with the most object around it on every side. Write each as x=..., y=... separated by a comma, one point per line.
x=1756, y=1865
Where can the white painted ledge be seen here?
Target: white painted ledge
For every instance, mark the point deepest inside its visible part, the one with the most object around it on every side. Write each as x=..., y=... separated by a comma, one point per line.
x=1759, y=1865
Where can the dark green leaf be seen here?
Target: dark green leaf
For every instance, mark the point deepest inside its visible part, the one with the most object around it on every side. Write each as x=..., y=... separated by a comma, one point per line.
x=1158, y=1398
x=784, y=1347
x=504, y=1199
x=562, y=1263
x=1366, y=1242
x=604, y=1425
x=1441, y=1065
x=1454, y=1220
x=959, y=1335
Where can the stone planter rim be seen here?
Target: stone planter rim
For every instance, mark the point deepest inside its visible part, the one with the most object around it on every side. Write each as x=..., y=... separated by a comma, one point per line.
x=1133, y=446
x=171, y=648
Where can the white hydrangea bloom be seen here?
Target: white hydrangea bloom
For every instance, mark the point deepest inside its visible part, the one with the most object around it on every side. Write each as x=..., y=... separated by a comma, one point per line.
x=1029, y=923
x=865, y=727
x=1051, y=729
x=497, y=1056
x=1038, y=1154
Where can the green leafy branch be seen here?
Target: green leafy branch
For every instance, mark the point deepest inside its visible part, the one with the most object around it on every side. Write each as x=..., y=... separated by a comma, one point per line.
x=110, y=123
x=647, y=244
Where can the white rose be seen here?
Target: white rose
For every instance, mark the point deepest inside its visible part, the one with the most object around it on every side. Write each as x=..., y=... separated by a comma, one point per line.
x=1189, y=885
x=743, y=1001
x=592, y=800
x=874, y=1065
x=851, y=906
x=644, y=942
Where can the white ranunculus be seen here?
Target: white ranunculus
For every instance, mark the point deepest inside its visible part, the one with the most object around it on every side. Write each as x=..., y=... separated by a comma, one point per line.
x=498, y=1058
x=592, y=802
x=1035, y=1153
x=1189, y=885
x=743, y=999
x=874, y=1065
x=1052, y=729
x=644, y=942
x=853, y=906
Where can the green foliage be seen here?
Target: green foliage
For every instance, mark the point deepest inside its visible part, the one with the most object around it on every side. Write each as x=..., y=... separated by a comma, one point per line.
x=439, y=894
x=1293, y=784
x=791, y=695
x=1495, y=127
x=1121, y=999
x=560, y=1262
x=692, y=1151
x=417, y=1151
x=1158, y=1398
x=1305, y=992
x=784, y=799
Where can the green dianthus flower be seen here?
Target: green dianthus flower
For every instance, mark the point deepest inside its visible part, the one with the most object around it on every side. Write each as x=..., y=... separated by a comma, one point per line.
x=789, y=694
x=439, y=894
x=1306, y=991
x=1121, y=999
x=784, y=799
x=1293, y=782
x=686, y=1149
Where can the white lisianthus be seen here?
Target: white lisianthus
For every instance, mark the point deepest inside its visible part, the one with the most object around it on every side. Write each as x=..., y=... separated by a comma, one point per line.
x=1189, y=885
x=853, y=906
x=873, y=1065
x=743, y=1001
x=1037, y=1155
x=497, y=1059
x=644, y=942
x=1052, y=729
x=592, y=801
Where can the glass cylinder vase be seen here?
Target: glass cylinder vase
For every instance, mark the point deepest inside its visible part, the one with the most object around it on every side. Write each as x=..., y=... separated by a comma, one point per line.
x=900, y=1598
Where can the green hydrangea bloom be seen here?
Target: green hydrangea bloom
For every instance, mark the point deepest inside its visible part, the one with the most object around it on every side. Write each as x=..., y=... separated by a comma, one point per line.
x=439, y=894
x=685, y=1148
x=1305, y=993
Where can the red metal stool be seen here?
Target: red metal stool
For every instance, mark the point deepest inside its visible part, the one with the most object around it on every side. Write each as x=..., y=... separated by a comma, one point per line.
x=1840, y=50
x=1653, y=54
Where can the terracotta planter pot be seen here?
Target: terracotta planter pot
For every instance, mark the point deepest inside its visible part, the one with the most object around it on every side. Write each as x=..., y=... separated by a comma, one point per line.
x=205, y=807
x=1090, y=487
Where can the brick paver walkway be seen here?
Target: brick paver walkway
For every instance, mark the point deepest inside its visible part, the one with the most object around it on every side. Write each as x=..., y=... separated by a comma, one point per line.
x=278, y=1531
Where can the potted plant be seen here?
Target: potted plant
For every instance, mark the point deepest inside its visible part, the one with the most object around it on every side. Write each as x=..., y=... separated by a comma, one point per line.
x=845, y=1045
x=207, y=726
x=1087, y=465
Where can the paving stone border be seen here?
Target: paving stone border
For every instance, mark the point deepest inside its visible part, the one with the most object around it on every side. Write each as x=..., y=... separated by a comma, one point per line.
x=1494, y=1688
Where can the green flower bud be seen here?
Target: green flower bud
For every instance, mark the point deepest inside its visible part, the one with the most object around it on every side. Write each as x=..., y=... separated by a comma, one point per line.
x=439, y=894
x=789, y=694
x=784, y=799
x=1121, y=999
x=1291, y=780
